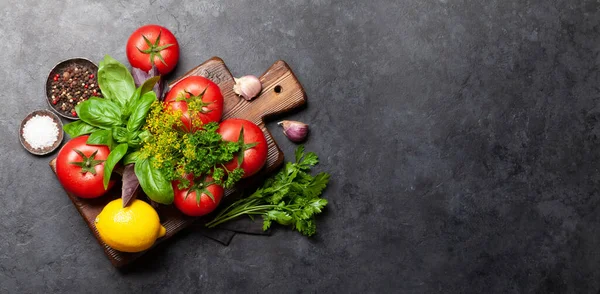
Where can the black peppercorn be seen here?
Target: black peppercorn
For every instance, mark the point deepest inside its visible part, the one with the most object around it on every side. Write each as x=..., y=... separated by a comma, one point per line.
x=67, y=92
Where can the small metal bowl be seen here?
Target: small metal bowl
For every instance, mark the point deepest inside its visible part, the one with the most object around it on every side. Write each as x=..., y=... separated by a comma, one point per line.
x=42, y=151
x=79, y=61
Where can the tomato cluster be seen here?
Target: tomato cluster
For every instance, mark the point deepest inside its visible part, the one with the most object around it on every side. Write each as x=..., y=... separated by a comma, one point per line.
x=80, y=167
x=204, y=92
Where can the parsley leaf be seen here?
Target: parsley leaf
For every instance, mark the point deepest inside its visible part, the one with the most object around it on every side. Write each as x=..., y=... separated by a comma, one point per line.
x=317, y=185
x=299, y=153
x=309, y=160
x=290, y=198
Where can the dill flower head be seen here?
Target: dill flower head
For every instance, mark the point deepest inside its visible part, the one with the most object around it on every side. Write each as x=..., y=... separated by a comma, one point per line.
x=178, y=153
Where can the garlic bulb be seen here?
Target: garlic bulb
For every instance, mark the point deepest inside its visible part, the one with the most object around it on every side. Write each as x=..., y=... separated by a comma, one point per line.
x=295, y=131
x=247, y=87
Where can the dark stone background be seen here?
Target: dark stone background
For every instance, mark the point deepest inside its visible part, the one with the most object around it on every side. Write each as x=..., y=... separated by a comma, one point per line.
x=461, y=137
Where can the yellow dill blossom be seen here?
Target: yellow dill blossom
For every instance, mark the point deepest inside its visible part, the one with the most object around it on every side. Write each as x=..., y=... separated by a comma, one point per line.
x=177, y=153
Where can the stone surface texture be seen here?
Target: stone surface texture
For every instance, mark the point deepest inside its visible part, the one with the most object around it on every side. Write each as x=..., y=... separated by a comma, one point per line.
x=461, y=136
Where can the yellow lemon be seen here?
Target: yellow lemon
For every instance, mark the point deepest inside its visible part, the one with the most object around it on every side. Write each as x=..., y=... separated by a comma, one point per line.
x=131, y=229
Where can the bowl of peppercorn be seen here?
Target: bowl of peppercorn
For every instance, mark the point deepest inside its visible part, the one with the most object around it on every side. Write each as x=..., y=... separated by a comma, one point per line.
x=69, y=83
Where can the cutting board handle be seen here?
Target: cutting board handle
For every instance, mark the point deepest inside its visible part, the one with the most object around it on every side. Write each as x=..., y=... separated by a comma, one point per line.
x=281, y=93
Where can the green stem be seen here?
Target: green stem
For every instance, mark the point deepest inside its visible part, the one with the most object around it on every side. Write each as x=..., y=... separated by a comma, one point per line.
x=240, y=204
x=254, y=210
x=244, y=206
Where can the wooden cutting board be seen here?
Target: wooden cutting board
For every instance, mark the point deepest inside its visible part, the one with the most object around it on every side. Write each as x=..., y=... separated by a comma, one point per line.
x=281, y=93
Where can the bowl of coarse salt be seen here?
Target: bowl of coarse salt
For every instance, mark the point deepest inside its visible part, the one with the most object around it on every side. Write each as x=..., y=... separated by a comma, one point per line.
x=41, y=132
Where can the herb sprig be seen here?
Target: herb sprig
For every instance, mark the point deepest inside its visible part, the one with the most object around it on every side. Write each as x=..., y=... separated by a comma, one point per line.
x=176, y=153
x=290, y=198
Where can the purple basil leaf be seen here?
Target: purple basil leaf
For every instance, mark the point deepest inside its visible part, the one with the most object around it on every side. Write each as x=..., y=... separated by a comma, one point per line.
x=160, y=89
x=153, y=72
x=139, y=76
x=131, y=185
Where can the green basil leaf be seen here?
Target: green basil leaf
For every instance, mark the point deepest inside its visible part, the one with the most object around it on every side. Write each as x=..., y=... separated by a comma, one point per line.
x=115, y=81
x=133, y=139
x=100, y=137
x=99, y=112
x=131, y=157
x=132, y=101
x=140, y=110
x=153, y=182
x=148, y=85
x=139, y=92
x=113, y=158
x=78, y=128
x=120, y=134
x=144, y=135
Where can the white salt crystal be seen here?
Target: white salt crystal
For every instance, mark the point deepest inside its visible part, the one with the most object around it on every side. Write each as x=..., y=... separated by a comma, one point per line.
x=40, y=131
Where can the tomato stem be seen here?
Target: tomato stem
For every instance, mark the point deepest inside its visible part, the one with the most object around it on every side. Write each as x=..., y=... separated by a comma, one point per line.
x=153, y=48
x=88, y=164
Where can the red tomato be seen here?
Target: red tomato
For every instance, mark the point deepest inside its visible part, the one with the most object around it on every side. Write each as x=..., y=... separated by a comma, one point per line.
x=254, y=157
x=188, y=92
x=82, y=175
x=190, y=204
x=159, y=48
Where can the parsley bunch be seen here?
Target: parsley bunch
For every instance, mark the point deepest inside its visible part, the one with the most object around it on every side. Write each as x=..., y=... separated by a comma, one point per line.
x=290, y=198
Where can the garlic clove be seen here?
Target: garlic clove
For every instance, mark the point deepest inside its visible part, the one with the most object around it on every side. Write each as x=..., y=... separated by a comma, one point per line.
x=295, y=131
x=247, y=87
